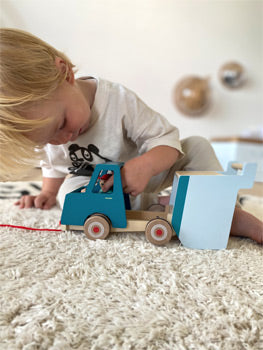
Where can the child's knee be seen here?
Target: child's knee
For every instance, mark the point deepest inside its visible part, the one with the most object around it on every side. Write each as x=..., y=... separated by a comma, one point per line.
x=197, y=142
x=200, y=154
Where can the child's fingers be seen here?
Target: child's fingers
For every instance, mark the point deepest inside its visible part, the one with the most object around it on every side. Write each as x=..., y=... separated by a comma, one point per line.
x=108, y=184
x=25, y=202
x=28, y=202
x=40, y=201
x=132, y=191
x=49, y=203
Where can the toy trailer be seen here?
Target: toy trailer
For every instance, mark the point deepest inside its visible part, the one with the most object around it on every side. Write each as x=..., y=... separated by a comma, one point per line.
x=202, y=206
x=97, y=213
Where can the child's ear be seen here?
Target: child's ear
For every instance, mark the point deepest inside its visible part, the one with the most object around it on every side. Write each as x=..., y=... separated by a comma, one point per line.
x=70, y=76
x=63, y=67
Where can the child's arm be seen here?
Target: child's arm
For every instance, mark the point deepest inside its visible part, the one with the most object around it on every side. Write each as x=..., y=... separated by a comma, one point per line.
x=46, y=198
x=137, y=172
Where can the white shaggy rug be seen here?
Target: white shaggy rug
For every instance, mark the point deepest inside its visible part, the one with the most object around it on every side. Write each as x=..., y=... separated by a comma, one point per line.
x=60, y=291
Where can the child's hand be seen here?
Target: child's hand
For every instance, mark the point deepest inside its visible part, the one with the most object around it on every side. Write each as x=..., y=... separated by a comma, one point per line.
x=137, y=172
x=135, y=177
x=42, y=201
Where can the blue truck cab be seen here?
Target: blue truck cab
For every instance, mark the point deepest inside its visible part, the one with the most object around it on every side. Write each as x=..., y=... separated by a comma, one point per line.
x=97, y=213
x=89, y=200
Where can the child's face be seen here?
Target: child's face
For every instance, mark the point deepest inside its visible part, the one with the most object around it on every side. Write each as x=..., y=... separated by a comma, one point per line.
x=69, y=111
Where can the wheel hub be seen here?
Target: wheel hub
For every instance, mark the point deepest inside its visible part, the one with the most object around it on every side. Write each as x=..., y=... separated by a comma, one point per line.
x=159, y=232
x=96, y=229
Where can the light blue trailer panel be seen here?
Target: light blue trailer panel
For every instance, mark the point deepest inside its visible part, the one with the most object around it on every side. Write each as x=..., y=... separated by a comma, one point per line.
x=204, y=206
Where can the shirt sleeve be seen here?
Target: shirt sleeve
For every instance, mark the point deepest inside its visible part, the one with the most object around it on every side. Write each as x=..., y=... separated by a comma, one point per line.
x=147, y=128
x=48, y=170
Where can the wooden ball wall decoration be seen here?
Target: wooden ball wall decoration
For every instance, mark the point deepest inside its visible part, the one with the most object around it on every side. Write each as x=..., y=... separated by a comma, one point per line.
x=192, y=95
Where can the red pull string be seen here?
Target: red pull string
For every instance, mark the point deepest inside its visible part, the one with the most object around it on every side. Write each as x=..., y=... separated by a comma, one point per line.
x=31, y=228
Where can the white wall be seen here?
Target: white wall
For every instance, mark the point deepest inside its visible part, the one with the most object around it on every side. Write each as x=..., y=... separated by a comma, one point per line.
x=148, y=45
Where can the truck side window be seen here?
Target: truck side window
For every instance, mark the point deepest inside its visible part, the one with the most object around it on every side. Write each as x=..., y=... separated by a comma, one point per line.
x=104, y=175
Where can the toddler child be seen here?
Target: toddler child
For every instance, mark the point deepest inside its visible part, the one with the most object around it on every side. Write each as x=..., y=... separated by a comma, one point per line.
x=72, y=123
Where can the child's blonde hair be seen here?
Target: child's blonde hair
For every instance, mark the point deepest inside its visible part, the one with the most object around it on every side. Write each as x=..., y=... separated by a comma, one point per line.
x=27, y=74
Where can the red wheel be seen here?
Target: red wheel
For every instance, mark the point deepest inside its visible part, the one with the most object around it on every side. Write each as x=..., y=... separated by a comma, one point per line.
x=158, y=231
x=97, y=227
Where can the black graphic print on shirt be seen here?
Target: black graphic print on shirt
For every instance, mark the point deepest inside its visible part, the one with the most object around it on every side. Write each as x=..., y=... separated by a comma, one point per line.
x=82, y=159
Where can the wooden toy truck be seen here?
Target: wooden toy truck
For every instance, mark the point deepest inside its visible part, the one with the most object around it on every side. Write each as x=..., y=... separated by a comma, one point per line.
x=200, y=212
x=99, y=213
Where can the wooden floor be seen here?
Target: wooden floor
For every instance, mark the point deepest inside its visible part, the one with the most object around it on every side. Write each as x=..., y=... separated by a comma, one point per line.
x=34, y=175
